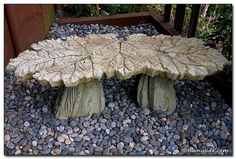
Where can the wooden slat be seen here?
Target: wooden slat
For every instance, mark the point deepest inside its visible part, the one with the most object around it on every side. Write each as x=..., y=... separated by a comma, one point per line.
x=167, y=13
x=124, y=20
x=193, y=20
x=118, y=19
x=163, y=27
x=179, y=17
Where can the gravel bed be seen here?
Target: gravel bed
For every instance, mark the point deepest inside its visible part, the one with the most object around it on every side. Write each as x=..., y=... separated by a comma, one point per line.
x=201, y=123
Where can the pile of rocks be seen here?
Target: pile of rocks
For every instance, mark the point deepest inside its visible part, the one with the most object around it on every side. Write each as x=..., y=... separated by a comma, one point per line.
x=83, y=30
x=201, y=124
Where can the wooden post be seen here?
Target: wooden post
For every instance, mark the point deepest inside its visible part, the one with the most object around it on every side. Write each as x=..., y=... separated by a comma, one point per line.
x=98, y=8
x=179, y=17
x=59, y=10
x=167, y=13
x=193, y=20
x=9, y=48
x=22, y=18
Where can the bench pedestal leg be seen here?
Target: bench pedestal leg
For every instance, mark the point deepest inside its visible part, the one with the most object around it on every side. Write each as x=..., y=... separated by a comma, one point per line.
x=82, y=100
x=156, y=93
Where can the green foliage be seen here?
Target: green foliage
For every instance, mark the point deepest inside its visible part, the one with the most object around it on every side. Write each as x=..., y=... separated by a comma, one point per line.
x=78, y=10
x=215, y=25
x=118, y=8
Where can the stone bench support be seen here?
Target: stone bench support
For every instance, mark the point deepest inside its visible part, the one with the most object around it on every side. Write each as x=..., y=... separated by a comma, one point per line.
x=156, y=93
x=82, y=100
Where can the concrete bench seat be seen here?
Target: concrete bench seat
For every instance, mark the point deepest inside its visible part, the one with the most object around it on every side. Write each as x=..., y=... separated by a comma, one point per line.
x=78, y=64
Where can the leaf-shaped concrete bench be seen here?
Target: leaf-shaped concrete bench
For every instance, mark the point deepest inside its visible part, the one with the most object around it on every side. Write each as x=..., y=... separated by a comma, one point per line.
x=79, y=64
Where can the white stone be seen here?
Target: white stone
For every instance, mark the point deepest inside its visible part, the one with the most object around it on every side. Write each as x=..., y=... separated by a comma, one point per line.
x=107, y=131
x=26, y=124
x=60, y=139
x=126, y=121
x=34, y=143
x=67, y=142
x=120, y=145
x=146, y=111
x=111, y=105
x=12, y=96
x=86, y=138
x=150, y=151
x=144, y=138
x=76, y=129
x=84, y=132
x=131, y=144
x=133, y=117
x=209, y=144
x=113, y=124
x=141, y=131
x=145, y=134
x=27, y=98
x=7, y=137
x=18, y=152
x=185, y=127
x=65, y=136
x=57, y=151
x=175, y=152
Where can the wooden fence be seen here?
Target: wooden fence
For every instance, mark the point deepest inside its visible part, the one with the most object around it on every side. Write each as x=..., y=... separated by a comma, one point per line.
x=24, y=25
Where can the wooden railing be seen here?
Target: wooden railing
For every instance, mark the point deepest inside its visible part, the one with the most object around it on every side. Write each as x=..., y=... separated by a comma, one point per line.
x=179, y=18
